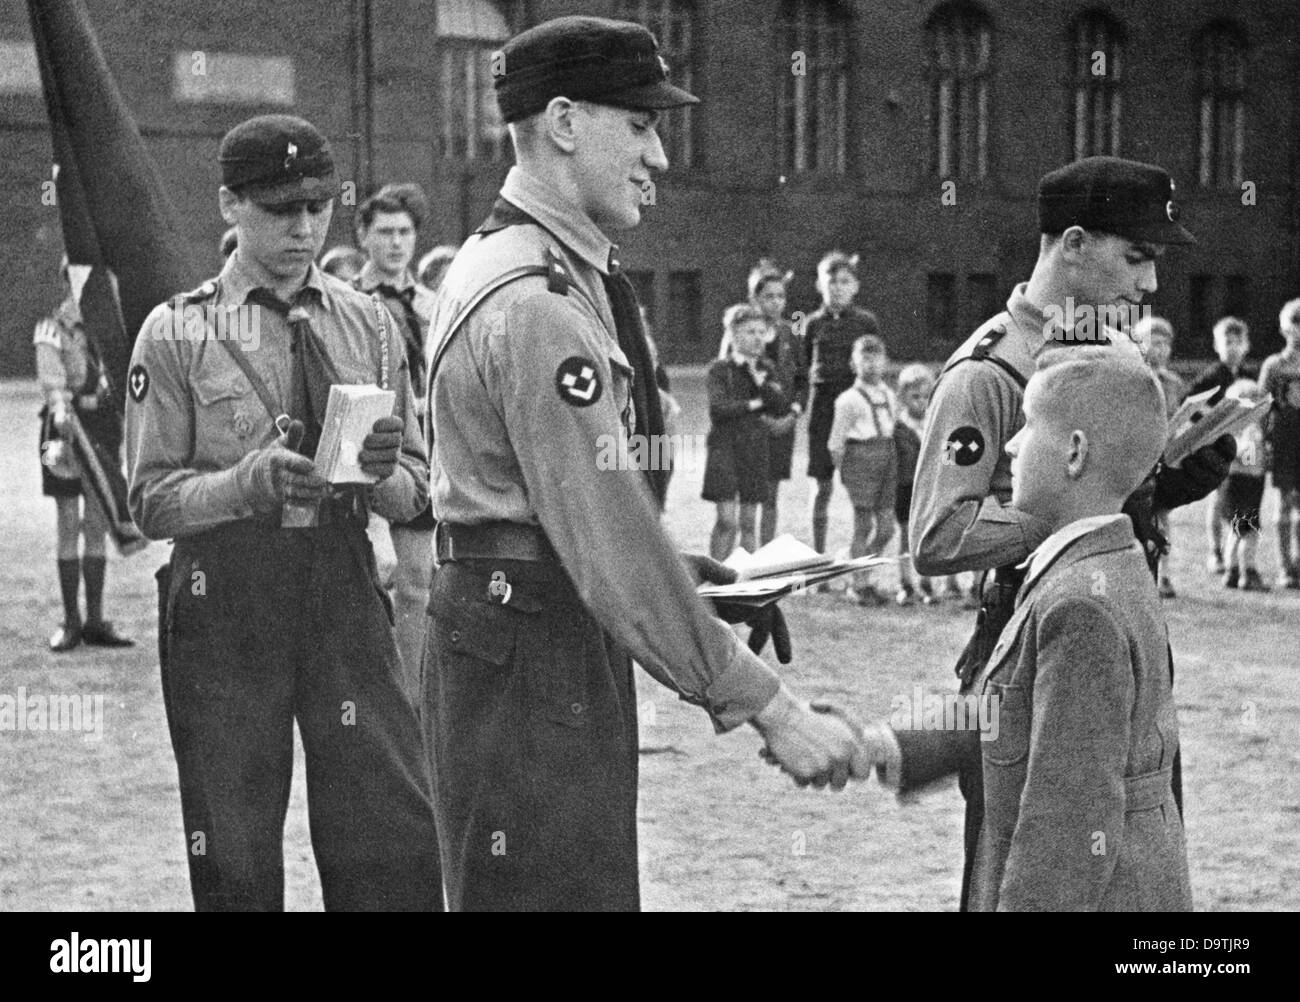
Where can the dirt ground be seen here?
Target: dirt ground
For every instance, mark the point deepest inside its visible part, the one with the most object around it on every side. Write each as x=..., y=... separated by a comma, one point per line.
x=96, y=824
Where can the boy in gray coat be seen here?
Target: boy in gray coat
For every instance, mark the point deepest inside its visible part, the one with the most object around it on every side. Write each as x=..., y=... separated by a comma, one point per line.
x=1079, y=807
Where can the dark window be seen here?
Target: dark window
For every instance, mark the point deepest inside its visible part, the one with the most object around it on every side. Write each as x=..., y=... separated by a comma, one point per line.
x=812, y=59
x=1201, y=316
x=959, y=56
x=469, y=33
x=1221, y=66
x=941, y=306
x=982, y=300
x=684, y=310
x=1097, y=65
x=673, y=24
x=1236, y=297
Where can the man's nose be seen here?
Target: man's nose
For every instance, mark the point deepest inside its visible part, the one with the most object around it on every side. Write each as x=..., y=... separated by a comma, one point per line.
x=1147, y=278
x=301, y=220
x=655, y=158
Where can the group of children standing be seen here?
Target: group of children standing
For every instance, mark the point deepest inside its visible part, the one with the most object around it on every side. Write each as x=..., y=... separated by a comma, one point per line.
x=767, y=374
x=1233, y=522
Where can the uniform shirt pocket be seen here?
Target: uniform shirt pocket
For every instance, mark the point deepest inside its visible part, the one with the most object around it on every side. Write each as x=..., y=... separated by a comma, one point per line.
x=224, y=420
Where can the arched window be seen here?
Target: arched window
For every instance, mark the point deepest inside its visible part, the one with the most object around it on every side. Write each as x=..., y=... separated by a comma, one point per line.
x=1221, y=63
x=1096, y=69
x=812, y=50
x=469, y=31
x=673, y=23
x=959, y=57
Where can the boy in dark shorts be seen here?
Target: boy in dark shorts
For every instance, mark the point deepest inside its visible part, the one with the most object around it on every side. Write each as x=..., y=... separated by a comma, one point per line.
x=742, y=391
x=828, y=342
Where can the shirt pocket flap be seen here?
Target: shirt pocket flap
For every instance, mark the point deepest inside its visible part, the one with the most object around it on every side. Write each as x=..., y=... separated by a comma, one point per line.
x=1013, y=716
x=208, y=389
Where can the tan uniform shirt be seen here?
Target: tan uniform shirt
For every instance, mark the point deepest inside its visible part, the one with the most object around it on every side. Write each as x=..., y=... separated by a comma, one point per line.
x=960, y=517
x=192, y=416
x=528, y=406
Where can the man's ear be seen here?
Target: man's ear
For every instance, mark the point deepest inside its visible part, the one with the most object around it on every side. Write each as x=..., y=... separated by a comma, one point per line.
x=228, y=200
x=1073, y=242
x=1076, y=460
x=559, y=122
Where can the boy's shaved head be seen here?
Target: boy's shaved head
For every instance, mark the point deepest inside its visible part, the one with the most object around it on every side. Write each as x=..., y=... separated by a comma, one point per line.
x=1114, y=399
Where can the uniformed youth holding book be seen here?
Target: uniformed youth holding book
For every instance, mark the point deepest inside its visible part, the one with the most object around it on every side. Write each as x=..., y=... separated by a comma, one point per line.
x=263, y=625
x=744, y=396
x=1280, y=377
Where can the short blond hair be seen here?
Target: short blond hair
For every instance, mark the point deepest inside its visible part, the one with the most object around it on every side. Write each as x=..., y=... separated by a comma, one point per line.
x=916, y=374
x=1230, y=325
x=1115, y=400
x=1292, y=308
x=1148, y=327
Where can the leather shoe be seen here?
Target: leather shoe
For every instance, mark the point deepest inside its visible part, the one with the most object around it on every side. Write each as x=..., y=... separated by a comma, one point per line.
x=65, y=639
x=104, y=634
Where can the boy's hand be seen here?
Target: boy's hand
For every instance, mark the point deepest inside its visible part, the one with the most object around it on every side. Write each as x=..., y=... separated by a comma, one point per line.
x=381, y=448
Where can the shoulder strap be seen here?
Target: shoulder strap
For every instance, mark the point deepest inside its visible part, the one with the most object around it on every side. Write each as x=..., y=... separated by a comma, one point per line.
x=995, y=331
x=505, y=278
x=259, y=385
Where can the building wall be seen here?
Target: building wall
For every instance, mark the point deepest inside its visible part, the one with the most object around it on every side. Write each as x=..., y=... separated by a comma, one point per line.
x=711, y=220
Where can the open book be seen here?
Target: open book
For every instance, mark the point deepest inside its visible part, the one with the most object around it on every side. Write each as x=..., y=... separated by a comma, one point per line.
x=351, y=413
x=782, y=567
x=1195, y=425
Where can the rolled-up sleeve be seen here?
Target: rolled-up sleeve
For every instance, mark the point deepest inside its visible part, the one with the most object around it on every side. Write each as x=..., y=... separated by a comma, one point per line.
x=602, y=522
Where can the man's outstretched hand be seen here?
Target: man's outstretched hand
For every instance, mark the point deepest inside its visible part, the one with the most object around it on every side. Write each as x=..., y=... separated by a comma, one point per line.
x=764, y=622
x=816, y=748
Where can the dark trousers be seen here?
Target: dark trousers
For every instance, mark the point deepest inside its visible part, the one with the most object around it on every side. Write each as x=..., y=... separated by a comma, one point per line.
x=532, y=717
x=266, y=626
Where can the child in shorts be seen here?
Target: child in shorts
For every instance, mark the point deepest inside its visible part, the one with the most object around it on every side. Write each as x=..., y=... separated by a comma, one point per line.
x=742, y=391
x=1238, y=499
x=861, y=443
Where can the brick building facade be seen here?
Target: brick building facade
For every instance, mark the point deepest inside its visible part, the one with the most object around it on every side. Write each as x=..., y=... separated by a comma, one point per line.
x=909, y=131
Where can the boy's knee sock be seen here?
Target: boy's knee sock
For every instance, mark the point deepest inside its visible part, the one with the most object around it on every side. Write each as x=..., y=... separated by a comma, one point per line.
x=69, y=583
x=1286, y=543
x=92, y=569
x=819, y=523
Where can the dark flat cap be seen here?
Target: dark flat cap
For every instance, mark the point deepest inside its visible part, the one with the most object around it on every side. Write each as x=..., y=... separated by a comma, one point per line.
x=585, y=59
x=1110, y=195
x=277, y=159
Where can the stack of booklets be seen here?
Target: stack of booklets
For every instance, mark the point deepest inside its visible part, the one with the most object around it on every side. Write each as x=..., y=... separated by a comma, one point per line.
x=350, y=414
x=782, y=567
x=1195, y=424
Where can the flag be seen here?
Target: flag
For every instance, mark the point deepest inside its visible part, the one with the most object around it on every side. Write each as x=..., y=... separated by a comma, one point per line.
x=125, y=247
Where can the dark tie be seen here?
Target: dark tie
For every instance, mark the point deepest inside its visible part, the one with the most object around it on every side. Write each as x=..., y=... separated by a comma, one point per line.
x=415, y=330
x=311, y=371
x=645, y=388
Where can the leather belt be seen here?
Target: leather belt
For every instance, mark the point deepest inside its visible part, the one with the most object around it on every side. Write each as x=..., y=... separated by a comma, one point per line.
x=492, y=541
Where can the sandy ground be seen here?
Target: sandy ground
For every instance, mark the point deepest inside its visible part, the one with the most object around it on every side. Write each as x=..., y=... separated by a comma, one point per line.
x=95, y=824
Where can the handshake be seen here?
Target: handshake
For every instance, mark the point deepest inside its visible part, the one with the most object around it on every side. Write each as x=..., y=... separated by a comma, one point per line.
x=820, y=744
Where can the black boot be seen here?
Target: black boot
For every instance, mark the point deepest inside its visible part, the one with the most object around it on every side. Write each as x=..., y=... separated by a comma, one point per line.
x=69, y=635
x=98, y=632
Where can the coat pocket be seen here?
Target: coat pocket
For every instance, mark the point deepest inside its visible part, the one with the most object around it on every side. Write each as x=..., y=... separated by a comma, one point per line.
x=1013, y=710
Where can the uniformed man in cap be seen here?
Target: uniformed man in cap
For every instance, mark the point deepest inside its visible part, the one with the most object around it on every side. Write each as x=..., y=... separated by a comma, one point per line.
x=553, y=568
x=265, y=624
x=1104, y=222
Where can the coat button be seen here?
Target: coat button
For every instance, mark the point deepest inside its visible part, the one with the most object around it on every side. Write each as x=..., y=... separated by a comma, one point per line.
x=576, y=707
x=455, y=636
